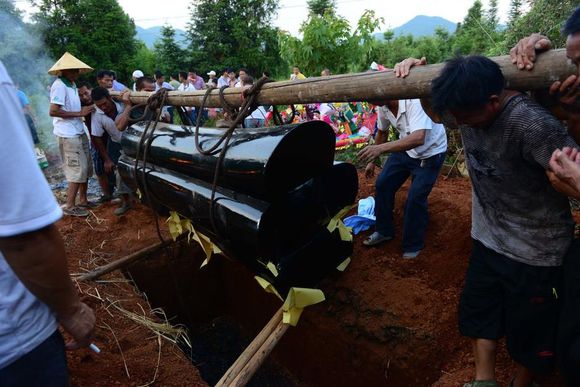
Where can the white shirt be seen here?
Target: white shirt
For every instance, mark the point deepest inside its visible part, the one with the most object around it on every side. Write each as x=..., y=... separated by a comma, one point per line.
x=259, y=113
x=68, y=99
x=101, y=123
x=165, y=86
x=25, y=321
x=410, y=118
x=186, y=87
x=223, y=81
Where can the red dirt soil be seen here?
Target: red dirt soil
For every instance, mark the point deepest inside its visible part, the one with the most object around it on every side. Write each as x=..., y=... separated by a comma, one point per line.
x=130, y=353
x=386, y=321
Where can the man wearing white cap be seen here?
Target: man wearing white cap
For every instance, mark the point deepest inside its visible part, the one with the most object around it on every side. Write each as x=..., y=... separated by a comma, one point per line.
x=136, y=75
x=212, y=81
x=67, y=113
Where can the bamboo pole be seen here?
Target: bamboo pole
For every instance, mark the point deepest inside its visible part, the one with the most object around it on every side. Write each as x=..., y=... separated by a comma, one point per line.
x=382, y=85
x=251, y=350
x=256, y=361
x=123, y=262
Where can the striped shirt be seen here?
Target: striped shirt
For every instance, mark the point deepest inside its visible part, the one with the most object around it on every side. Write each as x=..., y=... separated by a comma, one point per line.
x=516, y=211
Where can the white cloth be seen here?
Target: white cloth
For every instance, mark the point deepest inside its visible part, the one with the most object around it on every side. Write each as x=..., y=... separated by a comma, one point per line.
x=101, y=123
x=68, y=99
x=26, y=204
x=410, y=118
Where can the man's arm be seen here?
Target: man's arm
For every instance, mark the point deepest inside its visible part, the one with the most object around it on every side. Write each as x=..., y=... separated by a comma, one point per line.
x=102, y=149
x=372, y=152
x=57, y=111
x=123, y=120
x=38, y=260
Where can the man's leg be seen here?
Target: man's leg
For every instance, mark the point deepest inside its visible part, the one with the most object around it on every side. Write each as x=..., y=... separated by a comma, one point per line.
x=484, y=352
x=425, y=173
x=71, y=194
x=392, y=177
x=481, y=308
x=83, y=187
x=532, y=310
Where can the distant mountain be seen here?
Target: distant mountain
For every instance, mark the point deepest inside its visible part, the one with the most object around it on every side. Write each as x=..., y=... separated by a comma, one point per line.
x=150, y=35
x=421, y=26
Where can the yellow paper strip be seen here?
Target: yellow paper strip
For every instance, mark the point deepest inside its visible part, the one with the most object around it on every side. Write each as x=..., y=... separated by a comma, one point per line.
x=342, y=267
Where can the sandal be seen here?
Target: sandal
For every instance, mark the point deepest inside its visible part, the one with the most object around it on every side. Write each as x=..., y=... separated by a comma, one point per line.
x=88, y=204
x=75, y=211
x=375, y=238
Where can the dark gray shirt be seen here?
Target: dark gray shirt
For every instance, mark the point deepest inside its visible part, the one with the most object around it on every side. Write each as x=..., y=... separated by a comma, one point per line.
x=516, y=211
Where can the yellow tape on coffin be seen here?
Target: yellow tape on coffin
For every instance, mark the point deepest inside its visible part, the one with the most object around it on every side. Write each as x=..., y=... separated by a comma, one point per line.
x=342, y=267
x=336, y=222
x=297, y=300
x=268, y=287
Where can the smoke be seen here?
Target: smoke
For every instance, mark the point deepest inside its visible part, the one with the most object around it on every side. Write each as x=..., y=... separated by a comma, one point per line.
x=23, y=53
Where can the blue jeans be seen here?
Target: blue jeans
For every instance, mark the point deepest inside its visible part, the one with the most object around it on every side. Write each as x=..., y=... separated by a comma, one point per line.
x=397, y=169
x=44, y=366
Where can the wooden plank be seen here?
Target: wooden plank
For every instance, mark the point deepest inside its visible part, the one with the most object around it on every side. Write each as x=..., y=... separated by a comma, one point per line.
x=383, y=85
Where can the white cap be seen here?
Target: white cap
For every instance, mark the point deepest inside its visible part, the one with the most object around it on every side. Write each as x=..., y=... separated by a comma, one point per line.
x=374, y=66
x=138, y=74
x=211, y=73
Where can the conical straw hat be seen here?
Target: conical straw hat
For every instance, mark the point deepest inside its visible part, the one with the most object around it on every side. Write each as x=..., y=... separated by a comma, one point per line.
x=69, y=62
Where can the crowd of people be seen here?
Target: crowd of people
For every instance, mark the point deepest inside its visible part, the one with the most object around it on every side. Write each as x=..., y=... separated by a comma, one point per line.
x=522, y=281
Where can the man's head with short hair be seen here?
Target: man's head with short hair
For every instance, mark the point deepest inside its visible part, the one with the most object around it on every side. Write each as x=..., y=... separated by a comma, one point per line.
x=266, y=73
x=102, y=99
x=295, y=70
x=159, y=77
x=182, y=76
x=242, y=71
x=173, y=76
x=325, y=73
x=84, y=90
x=572, y=31
x=192, y=73
x=105, y=78
x=246, y=80
x=469, y=88
x=145, y=84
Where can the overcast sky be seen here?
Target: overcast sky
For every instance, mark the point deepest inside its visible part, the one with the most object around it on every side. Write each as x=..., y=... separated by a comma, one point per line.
x=293, y=12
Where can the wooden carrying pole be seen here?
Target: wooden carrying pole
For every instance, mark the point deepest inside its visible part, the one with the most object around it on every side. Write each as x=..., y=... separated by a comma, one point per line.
x=254, y=355
x=378, y=85
x=123, y=262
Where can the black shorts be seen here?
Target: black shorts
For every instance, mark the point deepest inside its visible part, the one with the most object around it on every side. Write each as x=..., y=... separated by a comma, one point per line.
x=503, y=297
x=569, y=332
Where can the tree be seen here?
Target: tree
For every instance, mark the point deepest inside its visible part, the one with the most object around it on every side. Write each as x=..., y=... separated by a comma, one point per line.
x=320, y=7
x=546, y=17
x=327, y=41
x=98, y=32
x=234, y=33
x=169, y=56
x=474, y=35
x=515, y=12
x=144, y=59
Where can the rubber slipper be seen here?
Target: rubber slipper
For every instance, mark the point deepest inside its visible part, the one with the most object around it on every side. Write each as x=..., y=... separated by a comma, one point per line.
x=75, y=211
x=375, y=238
